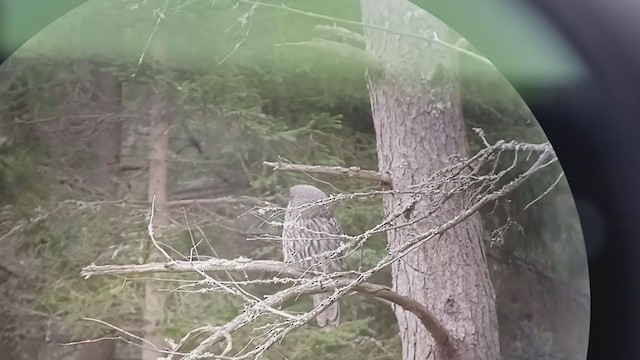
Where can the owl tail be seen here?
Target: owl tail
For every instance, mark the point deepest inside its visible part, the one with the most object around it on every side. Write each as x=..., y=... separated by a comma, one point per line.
x=330, y=317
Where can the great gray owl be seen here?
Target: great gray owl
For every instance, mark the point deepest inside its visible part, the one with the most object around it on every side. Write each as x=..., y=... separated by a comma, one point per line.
x=310, y=231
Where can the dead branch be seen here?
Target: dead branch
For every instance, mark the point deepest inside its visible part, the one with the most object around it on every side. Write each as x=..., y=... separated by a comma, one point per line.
x=341, y=32
x=224, y=200
x=214, y=265
x=351, y=172
x=321, y=283
x=545, y=149
x=220, y=200
x=439, y=333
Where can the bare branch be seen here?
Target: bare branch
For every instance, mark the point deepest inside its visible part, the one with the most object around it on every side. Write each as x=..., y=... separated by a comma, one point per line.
x=151, y=232
x=341, y=32
x=549, y=189
x=239, y=264
x=220, y=200
x=340, y=49
x=439, y=333
x=355, y=172
x=321, y=283
x=250, y=200
x=351, y=172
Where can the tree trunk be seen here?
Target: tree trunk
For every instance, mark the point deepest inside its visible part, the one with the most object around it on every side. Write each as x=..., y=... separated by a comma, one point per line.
x=158, y=180
x=418, y=121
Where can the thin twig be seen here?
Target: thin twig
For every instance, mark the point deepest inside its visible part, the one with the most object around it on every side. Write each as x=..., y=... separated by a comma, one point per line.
x=553, y=186
x=150, y=230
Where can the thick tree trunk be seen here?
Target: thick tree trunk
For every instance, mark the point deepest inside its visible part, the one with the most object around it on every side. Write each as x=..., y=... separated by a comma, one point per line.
x=419, y=125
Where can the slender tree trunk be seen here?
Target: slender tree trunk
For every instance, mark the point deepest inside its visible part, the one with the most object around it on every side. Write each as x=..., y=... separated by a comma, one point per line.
x=158, y=176
x=158, y=179
x=419, y=125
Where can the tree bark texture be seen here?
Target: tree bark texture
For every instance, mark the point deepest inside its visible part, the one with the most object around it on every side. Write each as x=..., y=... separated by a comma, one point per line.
x=419, y=125
x=159, y=126
x=158, y=179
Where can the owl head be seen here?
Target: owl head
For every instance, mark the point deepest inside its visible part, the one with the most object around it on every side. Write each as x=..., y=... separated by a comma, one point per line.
x=305, y=194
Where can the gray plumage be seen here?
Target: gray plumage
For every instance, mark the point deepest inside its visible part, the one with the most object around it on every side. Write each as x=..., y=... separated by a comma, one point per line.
x=310, y=231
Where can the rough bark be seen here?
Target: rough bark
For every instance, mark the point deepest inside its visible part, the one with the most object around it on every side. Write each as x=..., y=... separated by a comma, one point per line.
x=419, y=125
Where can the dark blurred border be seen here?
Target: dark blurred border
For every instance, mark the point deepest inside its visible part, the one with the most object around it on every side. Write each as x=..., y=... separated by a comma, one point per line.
x=593, y=123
